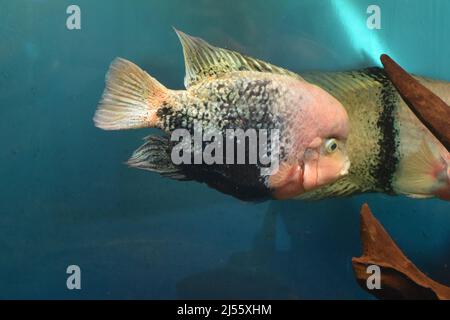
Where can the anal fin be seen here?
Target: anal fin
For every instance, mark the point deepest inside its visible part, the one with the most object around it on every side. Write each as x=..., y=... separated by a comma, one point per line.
x=154, y=155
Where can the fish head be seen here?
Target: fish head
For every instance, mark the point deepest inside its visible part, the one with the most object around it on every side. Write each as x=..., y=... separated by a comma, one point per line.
x=317, y=153
x=325, y=161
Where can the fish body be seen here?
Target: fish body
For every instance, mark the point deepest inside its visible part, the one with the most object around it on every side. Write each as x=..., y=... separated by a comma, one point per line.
x=226, y=91
x=326, y=121
x=263, y=101
x=391, y=151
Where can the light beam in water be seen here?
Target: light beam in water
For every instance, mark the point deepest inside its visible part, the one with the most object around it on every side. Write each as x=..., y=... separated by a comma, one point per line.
x=363, y=39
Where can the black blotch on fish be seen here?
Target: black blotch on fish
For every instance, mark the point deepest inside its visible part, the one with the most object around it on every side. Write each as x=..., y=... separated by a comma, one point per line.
x=243, y=181
x=388, y=157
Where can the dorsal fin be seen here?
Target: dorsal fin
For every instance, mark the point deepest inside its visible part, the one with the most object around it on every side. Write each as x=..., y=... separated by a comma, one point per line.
x=344, y=85
x=203, y=60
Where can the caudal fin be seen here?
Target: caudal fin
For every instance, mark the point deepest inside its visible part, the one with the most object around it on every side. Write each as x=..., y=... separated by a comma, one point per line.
x=131, y=98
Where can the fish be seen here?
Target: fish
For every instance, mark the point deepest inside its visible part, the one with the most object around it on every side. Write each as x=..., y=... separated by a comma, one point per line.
x=391, y=150
x=353, y=135
x=228, y=92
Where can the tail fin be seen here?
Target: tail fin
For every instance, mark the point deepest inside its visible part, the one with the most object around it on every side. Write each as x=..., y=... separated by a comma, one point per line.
x=131, y=98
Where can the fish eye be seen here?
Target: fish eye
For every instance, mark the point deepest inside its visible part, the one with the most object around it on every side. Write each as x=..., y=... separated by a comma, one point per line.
x=331, y=145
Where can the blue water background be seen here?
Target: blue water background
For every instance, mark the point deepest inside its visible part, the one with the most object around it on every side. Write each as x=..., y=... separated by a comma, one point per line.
x=67, y=198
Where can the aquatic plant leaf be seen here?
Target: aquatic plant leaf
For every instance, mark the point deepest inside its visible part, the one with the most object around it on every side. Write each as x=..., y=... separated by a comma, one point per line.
x=400, y=278
x=427, y=106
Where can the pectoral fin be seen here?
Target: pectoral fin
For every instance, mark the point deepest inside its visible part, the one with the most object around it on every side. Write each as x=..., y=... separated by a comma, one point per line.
x=424, y=173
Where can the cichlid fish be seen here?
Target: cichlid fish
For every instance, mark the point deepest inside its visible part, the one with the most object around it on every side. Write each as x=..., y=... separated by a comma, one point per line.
x=389, y=149
x=227, y=91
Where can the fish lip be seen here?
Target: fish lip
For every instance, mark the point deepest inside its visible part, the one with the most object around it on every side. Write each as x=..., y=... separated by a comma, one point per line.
x=346, y=168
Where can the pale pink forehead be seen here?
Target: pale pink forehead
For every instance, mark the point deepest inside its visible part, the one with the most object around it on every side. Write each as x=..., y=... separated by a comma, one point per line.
x=328, y=117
